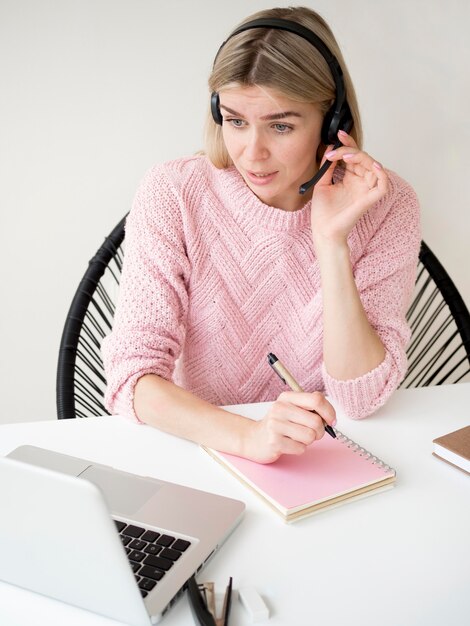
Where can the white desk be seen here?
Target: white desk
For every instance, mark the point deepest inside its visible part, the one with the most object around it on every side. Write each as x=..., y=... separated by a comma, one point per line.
x=400, y=558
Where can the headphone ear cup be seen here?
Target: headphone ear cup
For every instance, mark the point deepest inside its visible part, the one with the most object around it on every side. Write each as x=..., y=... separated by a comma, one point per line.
x=333, y=122
x=326, y=131
x=215, y=108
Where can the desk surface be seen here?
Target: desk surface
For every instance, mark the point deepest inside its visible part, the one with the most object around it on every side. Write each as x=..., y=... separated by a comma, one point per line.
x=400, y=557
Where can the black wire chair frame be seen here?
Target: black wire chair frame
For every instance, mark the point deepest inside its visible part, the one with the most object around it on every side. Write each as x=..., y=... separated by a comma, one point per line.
x=81, y=381
x=439, y=351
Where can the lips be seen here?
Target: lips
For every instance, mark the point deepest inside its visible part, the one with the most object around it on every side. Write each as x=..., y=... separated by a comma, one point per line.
x=261, y=178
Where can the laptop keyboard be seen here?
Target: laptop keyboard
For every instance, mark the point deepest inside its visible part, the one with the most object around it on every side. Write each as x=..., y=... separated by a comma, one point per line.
x=151, y=554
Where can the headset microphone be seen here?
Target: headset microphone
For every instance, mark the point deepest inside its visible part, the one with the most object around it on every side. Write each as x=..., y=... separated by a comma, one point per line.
x=338, y=117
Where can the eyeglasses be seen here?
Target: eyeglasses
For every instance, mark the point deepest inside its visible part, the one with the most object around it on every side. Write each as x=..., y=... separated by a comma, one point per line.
x=202, y=602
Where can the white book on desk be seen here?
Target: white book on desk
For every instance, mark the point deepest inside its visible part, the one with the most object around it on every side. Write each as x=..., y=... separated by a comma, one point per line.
x=330, y=472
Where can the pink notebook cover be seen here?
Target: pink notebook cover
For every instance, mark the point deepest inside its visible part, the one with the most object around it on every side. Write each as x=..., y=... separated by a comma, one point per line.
x=328, y=468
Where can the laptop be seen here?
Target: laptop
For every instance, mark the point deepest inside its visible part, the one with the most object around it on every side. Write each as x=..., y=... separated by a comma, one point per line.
x=116, y=544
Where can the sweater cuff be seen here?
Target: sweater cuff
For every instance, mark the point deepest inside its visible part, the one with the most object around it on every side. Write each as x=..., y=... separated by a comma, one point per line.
x=122, y=403
x=359, y=397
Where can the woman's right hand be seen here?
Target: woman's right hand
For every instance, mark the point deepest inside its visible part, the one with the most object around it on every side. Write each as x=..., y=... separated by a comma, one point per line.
x=293, y=422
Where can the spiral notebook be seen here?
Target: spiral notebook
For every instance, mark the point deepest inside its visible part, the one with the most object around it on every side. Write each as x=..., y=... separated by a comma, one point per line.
x=329, y=473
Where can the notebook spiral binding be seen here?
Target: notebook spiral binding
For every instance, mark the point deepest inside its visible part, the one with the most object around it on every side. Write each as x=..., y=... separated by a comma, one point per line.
x=355, y=447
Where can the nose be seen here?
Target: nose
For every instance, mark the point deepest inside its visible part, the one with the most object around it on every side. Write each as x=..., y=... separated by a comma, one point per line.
x=256, y=148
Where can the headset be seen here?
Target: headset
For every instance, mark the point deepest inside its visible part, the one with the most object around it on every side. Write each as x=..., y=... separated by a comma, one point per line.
x=338, y=117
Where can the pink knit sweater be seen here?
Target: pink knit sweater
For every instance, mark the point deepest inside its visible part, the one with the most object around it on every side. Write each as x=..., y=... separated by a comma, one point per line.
x=214, y=280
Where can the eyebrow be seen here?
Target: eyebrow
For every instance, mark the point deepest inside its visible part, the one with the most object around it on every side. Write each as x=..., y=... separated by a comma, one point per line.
x=267, y=118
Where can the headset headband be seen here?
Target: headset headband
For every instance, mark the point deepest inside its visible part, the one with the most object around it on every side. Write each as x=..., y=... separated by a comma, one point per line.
x=311, y=37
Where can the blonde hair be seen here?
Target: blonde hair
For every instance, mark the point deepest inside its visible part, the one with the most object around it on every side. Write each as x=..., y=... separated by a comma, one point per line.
x=282, y=61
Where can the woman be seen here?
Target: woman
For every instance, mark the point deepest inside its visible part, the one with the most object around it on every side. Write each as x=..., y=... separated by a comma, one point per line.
x=226, y=261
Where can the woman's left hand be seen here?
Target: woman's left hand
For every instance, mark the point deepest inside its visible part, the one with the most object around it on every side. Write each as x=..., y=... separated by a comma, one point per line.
x=337, y=207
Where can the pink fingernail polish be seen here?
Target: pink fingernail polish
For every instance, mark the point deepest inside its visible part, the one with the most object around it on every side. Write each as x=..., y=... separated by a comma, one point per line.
x=377, y=165
x=347, y=156
x=343, y=132
x=330, y=153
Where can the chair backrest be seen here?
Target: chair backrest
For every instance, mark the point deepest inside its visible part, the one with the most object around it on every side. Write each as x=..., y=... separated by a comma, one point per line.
x=439, y=351
x=81, y=381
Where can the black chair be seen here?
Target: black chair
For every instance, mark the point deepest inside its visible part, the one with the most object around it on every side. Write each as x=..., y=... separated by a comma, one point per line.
x=439, y=351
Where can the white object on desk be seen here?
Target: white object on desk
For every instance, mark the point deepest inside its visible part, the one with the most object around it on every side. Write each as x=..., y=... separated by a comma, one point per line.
x=253, y=603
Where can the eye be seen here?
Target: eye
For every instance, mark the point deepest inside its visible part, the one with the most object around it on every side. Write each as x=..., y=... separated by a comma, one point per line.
x=282, y=128
x=233, y=121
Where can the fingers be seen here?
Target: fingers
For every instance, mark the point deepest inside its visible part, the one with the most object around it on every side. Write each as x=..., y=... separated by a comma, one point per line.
x=303, y=427
x=363, y=166
x=346, y=139
x=355, y=159
x=303, y=403
x=295, y=421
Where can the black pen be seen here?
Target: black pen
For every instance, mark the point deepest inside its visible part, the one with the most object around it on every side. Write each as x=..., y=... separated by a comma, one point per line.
x=289, y=380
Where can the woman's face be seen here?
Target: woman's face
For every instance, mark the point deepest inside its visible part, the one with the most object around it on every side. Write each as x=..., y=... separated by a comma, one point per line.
x=272, y=141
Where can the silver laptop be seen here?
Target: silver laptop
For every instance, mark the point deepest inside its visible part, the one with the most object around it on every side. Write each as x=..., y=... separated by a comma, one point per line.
x=67, y=538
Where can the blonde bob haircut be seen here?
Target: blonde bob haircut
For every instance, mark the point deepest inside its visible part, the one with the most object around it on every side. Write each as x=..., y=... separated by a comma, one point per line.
x=282, y=61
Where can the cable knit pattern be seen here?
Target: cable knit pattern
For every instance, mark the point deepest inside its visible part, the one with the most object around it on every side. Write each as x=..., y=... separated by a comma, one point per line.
x=214, y=279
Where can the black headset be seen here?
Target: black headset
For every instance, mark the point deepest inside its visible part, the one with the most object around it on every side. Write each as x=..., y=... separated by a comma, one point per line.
x=338, y=117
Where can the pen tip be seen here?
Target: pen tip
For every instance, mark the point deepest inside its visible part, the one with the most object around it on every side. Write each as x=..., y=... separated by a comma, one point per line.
x=330, y=431
x=272, y=358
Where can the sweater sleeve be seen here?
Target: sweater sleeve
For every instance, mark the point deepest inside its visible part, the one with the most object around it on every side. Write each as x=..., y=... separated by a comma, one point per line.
x=385, y=273
x=149, y=325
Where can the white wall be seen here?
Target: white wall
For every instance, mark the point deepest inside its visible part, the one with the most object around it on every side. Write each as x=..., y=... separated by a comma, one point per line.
x=95, y=91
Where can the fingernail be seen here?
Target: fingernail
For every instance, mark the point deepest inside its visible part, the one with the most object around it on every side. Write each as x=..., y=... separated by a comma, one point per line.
x=347, y=156
x=343, y=132
x=377, y=165
x=330, y=153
